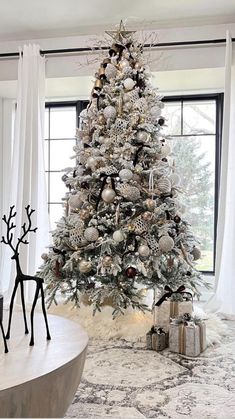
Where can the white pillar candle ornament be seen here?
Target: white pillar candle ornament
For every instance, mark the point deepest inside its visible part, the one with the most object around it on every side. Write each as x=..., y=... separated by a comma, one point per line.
x=91, y=234
x=144, y=250
x=164, y=185
x=129, y=83
x=108, y=195
x=118, y=236
x=109, y=112
x=166, y=243
x=84, y=266
x=125, y=174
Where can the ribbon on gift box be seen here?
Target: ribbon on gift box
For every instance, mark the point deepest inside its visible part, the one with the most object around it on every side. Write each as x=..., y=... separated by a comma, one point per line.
x=170, y=292
x=185, y=321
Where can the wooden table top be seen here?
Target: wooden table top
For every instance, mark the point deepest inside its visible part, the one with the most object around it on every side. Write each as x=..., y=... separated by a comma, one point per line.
x=24, y=363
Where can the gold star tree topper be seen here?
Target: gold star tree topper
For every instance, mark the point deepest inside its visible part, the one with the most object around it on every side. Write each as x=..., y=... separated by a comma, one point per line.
x=121, y=34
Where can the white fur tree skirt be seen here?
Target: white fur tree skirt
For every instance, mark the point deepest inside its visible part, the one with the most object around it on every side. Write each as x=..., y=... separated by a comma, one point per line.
x=132, y=326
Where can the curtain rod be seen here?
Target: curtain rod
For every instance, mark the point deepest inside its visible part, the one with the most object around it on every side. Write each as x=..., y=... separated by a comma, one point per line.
x=86, y=49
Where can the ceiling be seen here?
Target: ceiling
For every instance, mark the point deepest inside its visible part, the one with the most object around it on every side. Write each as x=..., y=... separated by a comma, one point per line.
x=31, y=19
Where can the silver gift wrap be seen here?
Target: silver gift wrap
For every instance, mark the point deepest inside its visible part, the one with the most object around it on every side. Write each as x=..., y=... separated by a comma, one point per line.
x=170, y=309
x=159, y=341
x=188, y=339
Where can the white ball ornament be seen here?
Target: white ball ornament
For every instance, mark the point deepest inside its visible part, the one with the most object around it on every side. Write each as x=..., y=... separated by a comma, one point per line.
x=164, y=185
x=155, y=111
x=108, y=195
x=165, y=150
x=91, y=234
x=118, y=236
x=129, y=83
x=142, y=136
x=109, y=112
x=166, y=243
x=143, y=250
x=84, y=266
x=125, y=174
x=175, y=179
x=91, y=161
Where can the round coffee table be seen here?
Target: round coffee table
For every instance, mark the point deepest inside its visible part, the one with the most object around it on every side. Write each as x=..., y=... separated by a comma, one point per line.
x=41, y=381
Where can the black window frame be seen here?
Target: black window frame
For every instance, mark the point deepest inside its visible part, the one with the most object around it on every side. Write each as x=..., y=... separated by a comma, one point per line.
x=219, y=101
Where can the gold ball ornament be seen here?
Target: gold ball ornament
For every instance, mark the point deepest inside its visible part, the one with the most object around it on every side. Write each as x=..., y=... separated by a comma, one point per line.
x=147, y=216
x=84, y=214
x=101, y=119
x=150, y=204
x=91, y=234
x=143, y=250
x=196, y=253
x=84, y=266
x=108, y=195
x=107, y=261
x=166, y=243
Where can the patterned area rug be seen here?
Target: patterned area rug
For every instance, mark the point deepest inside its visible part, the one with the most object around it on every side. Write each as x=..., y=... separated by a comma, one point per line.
x=123, y=380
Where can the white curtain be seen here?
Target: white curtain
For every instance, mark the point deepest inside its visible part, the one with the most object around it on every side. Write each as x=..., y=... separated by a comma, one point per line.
x=223, y=299
x=27, y=183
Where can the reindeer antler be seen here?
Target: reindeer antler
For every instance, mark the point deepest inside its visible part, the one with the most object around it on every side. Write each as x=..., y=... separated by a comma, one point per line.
x=25, y=229
x=10, y=226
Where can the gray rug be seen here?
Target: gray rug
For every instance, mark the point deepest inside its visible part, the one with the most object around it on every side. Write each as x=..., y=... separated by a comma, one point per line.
x=124, y=380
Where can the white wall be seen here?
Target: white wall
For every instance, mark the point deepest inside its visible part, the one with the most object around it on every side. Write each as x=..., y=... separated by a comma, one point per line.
x=178, y=68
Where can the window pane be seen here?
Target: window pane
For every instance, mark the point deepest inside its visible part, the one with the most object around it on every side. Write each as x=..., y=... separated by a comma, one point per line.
x=63, y=122
x=195, y=163
x=56, y=212
x=172, y=113
x=60, y=153
x=46, y=124
x=199, y=117
x=57, y=187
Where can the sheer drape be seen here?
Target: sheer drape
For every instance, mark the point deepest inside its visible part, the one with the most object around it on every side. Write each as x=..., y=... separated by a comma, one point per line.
x=27, y=181
x=224, y=296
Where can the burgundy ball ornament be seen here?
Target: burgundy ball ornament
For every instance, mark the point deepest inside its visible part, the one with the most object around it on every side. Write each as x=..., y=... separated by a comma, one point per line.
x=177, y=219
x=161, y=121
x=131, y=272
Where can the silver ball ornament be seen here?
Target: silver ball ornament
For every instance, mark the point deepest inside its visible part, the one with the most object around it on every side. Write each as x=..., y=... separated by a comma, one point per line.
x=142, y=136
x=166, y=243
x=118, y=236
x=143, y=250
x=109, y=112
x=108, y=195
x=91, y=234
x=125, y=174
x=75, y=201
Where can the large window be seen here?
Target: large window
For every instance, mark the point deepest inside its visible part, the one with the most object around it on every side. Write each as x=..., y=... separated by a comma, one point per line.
x=193, y=126
x=194, y=130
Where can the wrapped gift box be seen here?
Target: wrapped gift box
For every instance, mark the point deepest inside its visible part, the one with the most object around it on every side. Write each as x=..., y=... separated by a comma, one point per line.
x=188, y=338
x=156, y=339
x=170, y=309
x=1, y=308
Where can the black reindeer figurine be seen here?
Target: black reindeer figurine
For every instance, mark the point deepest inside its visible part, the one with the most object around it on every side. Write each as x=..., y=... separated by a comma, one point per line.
x=20, y=277
x=1, y=325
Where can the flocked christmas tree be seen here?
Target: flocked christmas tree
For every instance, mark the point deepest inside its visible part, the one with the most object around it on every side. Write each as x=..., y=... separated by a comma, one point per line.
x=123, y=231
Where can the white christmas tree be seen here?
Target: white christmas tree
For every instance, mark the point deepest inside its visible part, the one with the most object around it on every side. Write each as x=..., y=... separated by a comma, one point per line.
x=123, y=225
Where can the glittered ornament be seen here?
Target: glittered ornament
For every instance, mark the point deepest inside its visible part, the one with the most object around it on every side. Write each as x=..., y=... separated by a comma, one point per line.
x=84, y=266
x=196, y=253
x=129, y=83
x=147, y=216
x=164, y=185
x=107, y=261
x=125, y=174
x=109, y=112
x=91, y=234
x=131, y=193
x=118, y=236
x=110, y=71
x=75, y=201
x=108, y=195
x=131, y=272
x=166, y=243
x=143, y=250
